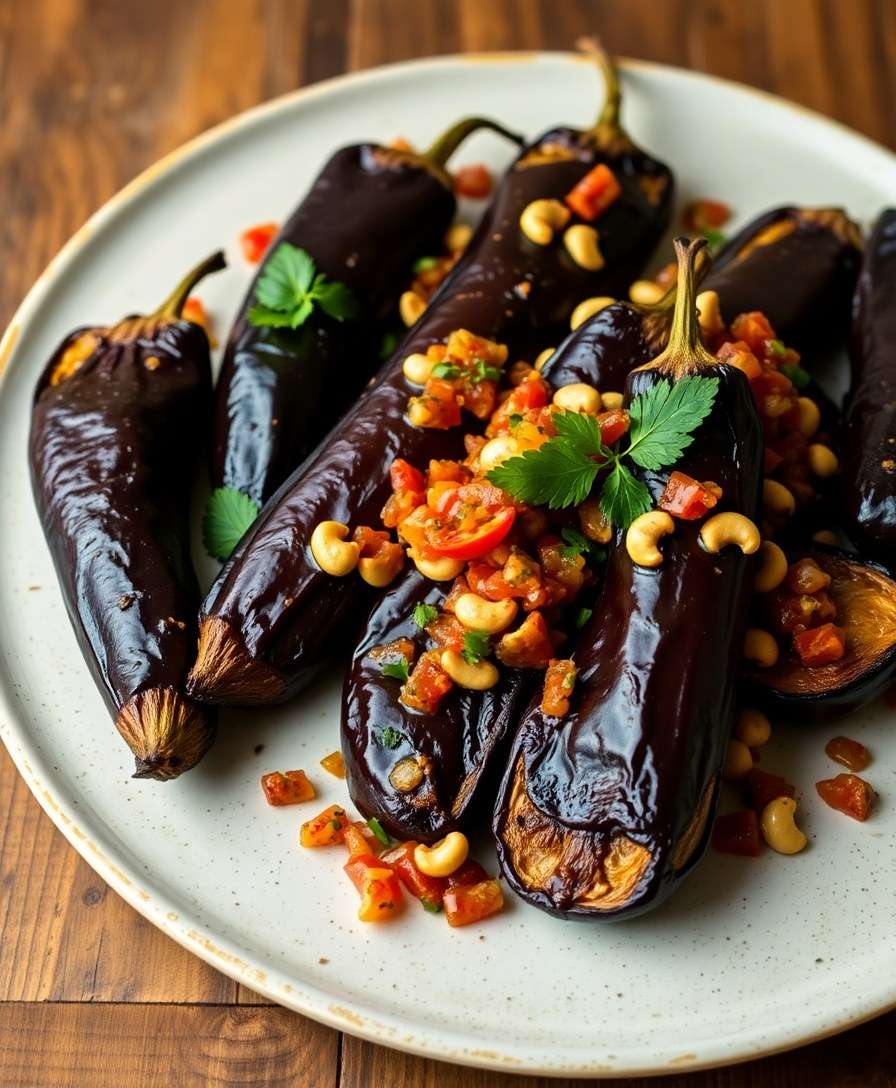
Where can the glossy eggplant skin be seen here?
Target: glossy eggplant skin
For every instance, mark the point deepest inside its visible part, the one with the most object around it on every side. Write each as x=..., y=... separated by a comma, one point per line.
x=798, y=266
x=602, y=812
x=273, y=617
x=869, y=446
x=110, y=448
x=369, y=213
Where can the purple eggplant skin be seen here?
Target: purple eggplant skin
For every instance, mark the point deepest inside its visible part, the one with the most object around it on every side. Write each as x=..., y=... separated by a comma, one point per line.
x=603, y=811
x=273, y=617
x=111, y=443
x=368, y=215
x=798, y=266
x=869, y=442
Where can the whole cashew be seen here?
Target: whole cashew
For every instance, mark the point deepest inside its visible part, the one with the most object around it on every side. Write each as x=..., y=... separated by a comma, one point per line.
x=752, y=728
x=578, y=397
x=760, y=647
x=541, y=218
x=779, y=826
x=417, y=368
x=587, y=308
x=442, y=569
x=478, y=677
x=643, y=535
x=477, y=614
x=772, y=567
x=582, y=245
x=444, y=857
x=730, y=528
x=332, y=552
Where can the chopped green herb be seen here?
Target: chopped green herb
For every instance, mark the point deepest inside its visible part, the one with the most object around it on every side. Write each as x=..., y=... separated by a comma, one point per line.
x=398, y=670
x=378, y=832
x=389, y=738
x=583, y=616
x=429, y=905
x=228, y=514
x=448, y=371
x=289, y=288
x=514, y=419
x=577, y=543
x=388, y=344
x=776, y=347
x=476, y=647
x=715, y=239
x=424, y=264
x=482, y=372
x=424, y=614
x=797, y=375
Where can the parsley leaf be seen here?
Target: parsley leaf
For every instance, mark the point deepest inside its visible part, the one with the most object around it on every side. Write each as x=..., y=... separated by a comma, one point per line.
x=446, y=371
x=289, y=287
x=388, y=344
x=389, y=738
x=799, y=377
x=664, y=418
x=624, y=497
x=398, y=670
x=576, y=543
x=476, y=647
x=424, y=614
x=228, y=514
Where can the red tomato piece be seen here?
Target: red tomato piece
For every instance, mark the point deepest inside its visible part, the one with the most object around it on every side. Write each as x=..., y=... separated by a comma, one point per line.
x=428, y=889
x=737, y=833
x=289, y=788
x=469, y=903
x=534, y=392
x=686, y=498
x=754, y=329
x=404, y=477
x=761, y=787
x=849, y=752
x=613, y=425
x=597, y=190
x=847, y=793
x=325, y=829
x=820, y=645
x=476, y=539
x=704, y=215
x=471, y=872
x=427, y=685
x=254, y=242
x=381, y=897
x=473, y=181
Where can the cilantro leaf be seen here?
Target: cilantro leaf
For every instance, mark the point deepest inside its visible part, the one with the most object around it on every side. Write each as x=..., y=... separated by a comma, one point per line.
x=445, y=370
x=576, y=543
x=664, y=418
x=482, y=372
x=623, y=497
x=398, y=670
x=476, y=647
x=581, y=429
x=557, y=474
x=334, y=298
x=424, y=614
x=289, y=287
x=776, y=347
x=389, y=738
x=799, y=377
x=583, y=616
x=228, y=514
x=515, y=419
x=388, y=344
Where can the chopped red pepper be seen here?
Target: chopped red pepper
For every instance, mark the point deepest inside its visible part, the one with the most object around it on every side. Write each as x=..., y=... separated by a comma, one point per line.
x=194, y=310
x=381, y=897
x=404, y=477
x=820, y=645
x=436, y=408
x=255, y=241
x=847, y=793
x=702, y=215
x=471, y=872
x=559, y=680
x=613, y=425
x=427, y=685
x=738, y=833
x=473, y=181
x=849, y=752
x=686, y=498
x=754, y=329
x=428, y=889
x=469, y=903
x=761, y=787
x=597, y=190
x=325, y=829
x=472, y=533
x=289, y=788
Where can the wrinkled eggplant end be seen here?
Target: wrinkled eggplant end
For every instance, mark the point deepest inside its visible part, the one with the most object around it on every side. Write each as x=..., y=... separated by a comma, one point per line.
x=226, y=673
x=865, y=598
x=166, y=732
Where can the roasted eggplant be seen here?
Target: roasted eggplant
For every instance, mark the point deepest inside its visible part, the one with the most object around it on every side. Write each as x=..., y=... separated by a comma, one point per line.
x=601, y=812
x=370, y=212
x=869, y=446
x=864, y=594
x=798, y=266
x=273, y=617
x=119, y=417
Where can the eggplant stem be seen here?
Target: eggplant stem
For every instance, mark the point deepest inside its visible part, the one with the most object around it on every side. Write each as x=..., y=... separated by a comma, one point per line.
x=607, y=129
x=444, y=147
x=173, y=305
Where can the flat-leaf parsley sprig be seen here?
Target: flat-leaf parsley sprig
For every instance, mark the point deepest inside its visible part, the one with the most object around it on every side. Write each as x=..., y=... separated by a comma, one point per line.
x=564, y=470
x=290, y=287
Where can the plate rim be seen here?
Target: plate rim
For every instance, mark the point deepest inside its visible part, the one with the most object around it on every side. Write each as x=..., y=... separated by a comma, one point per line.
x=226, y=954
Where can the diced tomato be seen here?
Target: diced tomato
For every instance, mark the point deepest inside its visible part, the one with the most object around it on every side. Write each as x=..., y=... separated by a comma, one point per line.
x=289, y=788
x=702, y=215
x=440, y=471
x=437, y=407
x=738, y=833
x=471, y=872
x=381, y=897
x=529, y=647
x=820, y=645
x=447, y=632
x=534, y=392
x=469, y=903
x=359, y=839
x=754, y=329
x=761, y=787
x=325, y=829
x=613, y=425
x=739, y=355
x=849, y=752
x=476, y=534
x=473, y=181
x=404, y=477
x=255, y=241
x=387, y=653
x=597, y=190
x=428, y=889
x=399, y=506
x=847, y=793
x=195, y=311
x=686, y=498
x=559, y=681
x=334, y=764
x=427, y=685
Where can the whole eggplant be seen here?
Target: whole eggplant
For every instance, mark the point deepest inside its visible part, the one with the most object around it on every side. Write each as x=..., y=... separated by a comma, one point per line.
x=273, y=617
x=369, y=213
x=603, y=811
x=119, y=416
x=869, y=444
x=798, y=266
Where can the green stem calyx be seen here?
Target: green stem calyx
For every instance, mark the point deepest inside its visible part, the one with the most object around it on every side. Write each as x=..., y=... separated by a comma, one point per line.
x=607, y=132
x=444, y=147
x=173, y=306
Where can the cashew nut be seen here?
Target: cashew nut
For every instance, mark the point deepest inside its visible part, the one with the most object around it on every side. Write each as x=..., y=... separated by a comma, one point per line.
x=578, y=397
x=776, y=498
x=826, y=536
x=810, y=417
x=442, y=569
x=543, y=357
x=406, y=775
x=738, y=761
x=497, y=450
x=444, y=857
x=822, y=461
x=541, y=218
x=779, y=826
x=594, y=522
x=379, y=570
x=772, y=567
x=730, y=528
x=645, y=292
x=708, y=312
x=612, y=401
x=582, y=245
x=478, y=677
x=587, y=308
x=477, y=614
x=457, y=237
x=410, y=307
x=752, y=728
x=417, y=368
x=332, y=552
x=760, y=647
x=643, y=535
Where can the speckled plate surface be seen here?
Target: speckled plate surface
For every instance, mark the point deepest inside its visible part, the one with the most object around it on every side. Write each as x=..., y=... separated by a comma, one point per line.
x=748, y=958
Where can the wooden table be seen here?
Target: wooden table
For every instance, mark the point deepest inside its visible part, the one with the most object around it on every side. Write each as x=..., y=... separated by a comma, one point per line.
x=91, y=92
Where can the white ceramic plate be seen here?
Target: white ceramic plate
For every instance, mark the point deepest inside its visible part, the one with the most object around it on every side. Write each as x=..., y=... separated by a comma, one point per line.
x=748, y=958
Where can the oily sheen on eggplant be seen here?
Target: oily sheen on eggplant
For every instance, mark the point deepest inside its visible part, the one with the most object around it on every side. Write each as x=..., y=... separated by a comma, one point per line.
x=603, y=811
x=273, y=617
x=119, y=416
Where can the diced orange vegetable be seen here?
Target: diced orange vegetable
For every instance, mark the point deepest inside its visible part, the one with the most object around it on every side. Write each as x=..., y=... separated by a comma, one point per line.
x=806, y=576
x=754, y=329
x=468, y=903
x=686, y=498
x=334, y=764
x=559, y=681
x=737, y=833
x=427, y=685
x=528, y=647
x=428, y=889
x=849, y=752
x=326, y=829
x=847, y=793
x=404, y=477
x=289, y=788
x=761, y=787
x=437, y=407
x=399, y=506
x=359, y=839
x=255, y=241
x=473, y=181
x=195, y=311
x=381, y=897
x=613, y=425
x=471, y=872
x=446, y=632
x=597, y=190
x=820, y=645
x=702, y=215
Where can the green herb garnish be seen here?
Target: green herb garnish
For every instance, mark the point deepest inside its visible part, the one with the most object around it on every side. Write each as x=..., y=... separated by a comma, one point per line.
x=389, y=738
x=388, y=344
x=398, y=670
x=290, y=287
x=429, y=905
x=576, y=543
x=476, y=647
x=378, y=832
x=799, y=377
x=514, y=419
x=715, y=239
x=228, y=514
x=423, y=264
x=424, y=614
x=446, y=371
x=583, y=616
x=482, y=372
x=776, y=347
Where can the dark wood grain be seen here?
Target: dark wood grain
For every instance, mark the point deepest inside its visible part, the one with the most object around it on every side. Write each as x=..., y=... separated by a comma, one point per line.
x=93, y=91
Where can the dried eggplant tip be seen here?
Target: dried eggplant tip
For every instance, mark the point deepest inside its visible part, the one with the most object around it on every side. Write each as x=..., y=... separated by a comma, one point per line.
x=166, y=732
x=226, y=673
